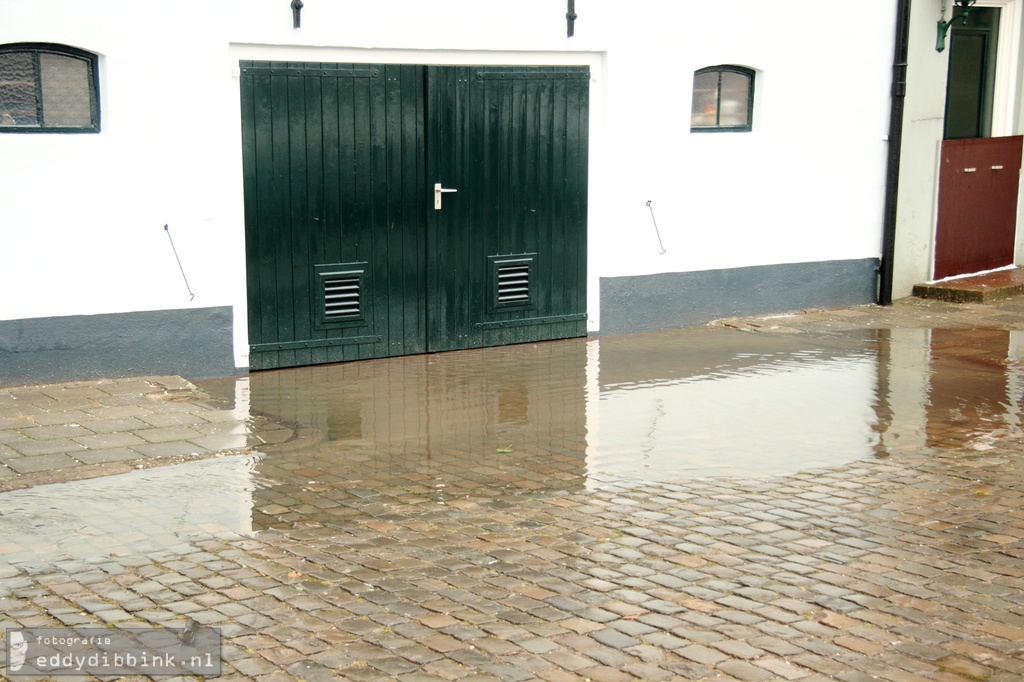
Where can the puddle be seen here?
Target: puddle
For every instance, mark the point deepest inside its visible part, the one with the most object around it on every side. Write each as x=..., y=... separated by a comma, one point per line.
x=142, y=512
x=489, y=426
x=756, y=415
x=660, y=406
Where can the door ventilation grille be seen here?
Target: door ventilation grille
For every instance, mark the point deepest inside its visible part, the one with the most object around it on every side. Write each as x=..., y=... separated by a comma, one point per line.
x=342, y=298
x=342, y=294
x=512, y=281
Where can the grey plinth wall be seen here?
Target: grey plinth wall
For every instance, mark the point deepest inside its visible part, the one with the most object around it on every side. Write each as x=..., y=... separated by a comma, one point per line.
x=681, y=299
x=191, y=343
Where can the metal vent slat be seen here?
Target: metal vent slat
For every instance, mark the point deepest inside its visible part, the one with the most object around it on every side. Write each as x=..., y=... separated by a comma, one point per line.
x=513, y=283
x=341, y=298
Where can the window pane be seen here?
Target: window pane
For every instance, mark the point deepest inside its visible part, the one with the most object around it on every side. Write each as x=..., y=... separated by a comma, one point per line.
x=735, y=100
x=18, y=89
x=704, y=111
x=66, y=91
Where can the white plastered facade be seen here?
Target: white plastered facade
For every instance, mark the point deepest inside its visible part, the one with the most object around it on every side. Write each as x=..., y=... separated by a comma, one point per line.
x=83, y=216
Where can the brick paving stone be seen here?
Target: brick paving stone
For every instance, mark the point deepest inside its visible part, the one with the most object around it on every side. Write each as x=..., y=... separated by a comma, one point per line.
x=964, y=667
x=442, y=643
x=101, y=456
x=614, y=638
x=782, y=669
x=702, y=654
x=45, y=457
x=392, y=665
x=633, y=628
x=253, y=666
x=737, y=649
x=823, y=665
x=605, y=674
x=645, y=671
x=610, y=656
x=859, y=645
x=742, y=670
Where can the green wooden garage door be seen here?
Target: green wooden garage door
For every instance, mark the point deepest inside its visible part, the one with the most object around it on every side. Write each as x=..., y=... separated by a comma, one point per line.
x=348, y=256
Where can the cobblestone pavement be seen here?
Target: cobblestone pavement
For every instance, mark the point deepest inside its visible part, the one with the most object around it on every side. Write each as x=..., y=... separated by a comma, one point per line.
x=362, y=564
x=82, y=429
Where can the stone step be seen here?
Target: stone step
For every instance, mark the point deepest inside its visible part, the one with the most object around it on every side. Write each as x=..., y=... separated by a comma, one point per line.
x=981, y=288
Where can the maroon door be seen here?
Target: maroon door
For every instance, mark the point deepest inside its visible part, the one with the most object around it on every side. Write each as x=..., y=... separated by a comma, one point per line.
x=977, y=205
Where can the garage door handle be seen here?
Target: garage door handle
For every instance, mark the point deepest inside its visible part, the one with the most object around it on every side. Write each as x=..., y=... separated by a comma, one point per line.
x=438, y=191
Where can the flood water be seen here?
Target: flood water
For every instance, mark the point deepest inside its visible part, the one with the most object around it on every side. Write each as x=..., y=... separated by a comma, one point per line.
x=511, y=422
x=657, y=406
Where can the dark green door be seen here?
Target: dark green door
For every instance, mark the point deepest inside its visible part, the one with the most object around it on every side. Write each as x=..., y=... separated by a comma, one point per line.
x=507, y=253
x=347, y=256
x=970, y=85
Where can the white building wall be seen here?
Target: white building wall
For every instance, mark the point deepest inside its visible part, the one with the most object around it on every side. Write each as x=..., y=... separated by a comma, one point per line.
x=86, y=212
x=804, y=185
x=82, y=216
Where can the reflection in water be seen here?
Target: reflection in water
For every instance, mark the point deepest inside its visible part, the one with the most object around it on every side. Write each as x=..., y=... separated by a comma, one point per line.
x=746, y=405
x=490, y=425
x=142, y=512
x=494, y=418
x=972, y=400
x=786, y=412
x=655, y=406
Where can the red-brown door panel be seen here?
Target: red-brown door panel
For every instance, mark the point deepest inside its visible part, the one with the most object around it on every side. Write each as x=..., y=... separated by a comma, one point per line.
x=977, y=218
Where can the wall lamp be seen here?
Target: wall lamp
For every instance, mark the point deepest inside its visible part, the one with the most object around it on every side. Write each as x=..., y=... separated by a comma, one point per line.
x=964, y=7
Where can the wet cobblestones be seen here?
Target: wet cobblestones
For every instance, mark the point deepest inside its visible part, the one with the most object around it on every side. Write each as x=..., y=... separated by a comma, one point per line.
x=82, y=429
x=355, y=566
x=900, y=570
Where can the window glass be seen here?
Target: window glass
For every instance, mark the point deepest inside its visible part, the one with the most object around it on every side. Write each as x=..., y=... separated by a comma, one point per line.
x=735, y=96
x=705, y=99
x=18, y=89
x=47, y=88
x=66, y=97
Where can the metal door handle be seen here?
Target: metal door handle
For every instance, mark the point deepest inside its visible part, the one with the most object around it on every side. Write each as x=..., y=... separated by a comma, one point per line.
x=438, y=191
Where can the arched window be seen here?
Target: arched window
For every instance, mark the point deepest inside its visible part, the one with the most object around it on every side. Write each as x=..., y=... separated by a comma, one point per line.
x=723, y=99
x=48, y=88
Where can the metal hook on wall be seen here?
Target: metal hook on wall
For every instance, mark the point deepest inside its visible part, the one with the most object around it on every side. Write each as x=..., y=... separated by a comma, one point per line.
x=167, y=229
x=656, y=227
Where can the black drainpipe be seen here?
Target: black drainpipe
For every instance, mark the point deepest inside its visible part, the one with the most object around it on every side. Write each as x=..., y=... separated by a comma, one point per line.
x=892, y=175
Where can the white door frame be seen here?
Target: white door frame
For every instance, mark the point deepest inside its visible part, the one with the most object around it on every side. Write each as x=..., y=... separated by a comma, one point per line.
x=1004, y=94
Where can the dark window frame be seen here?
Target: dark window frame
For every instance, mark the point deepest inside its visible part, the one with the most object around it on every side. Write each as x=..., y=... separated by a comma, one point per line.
x=749, y=74
x=91, y=61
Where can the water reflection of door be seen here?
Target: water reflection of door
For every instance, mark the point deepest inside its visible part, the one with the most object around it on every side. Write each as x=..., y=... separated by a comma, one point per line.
x=949, y=389
x=511, y=415
x=979, y=174
x=968, y=385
